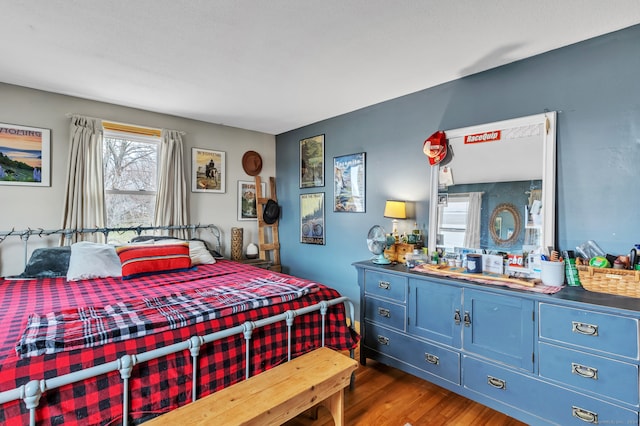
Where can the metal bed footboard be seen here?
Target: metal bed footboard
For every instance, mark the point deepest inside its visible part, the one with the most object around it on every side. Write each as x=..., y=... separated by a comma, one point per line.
x=33, y=390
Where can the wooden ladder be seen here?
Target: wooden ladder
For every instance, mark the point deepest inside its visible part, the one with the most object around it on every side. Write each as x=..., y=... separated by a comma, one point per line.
x=268, y=241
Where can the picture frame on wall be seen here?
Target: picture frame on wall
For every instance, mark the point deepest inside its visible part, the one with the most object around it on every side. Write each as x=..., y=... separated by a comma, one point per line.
x=247, y=197
x=312, y=162
x=312, y=229
x=349, y=183
x=208, y=170
x=25, y=155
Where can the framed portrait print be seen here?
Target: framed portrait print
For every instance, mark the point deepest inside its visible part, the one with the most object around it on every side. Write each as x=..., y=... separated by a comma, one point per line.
x=207, y=170
x=312, y=218
x=348, y=183
x=247, y=196
x=312, y=162
x=25, y=155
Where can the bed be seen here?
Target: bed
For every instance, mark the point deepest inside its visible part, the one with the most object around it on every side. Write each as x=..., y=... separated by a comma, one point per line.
x=215, y=315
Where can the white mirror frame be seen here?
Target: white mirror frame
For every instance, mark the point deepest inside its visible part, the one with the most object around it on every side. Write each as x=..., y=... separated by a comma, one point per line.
x=548, y=121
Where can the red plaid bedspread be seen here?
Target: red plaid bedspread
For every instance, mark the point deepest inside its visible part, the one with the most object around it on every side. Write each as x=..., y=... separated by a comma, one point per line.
x=160, y=385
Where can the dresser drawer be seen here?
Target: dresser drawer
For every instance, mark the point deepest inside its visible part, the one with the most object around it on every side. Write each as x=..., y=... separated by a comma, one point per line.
x=605, y=333
x=552, y=403
x=568, y=408
x=386, y=285
x=385, y=312
x=424, y=356
x=601, y=376
x=500, y=384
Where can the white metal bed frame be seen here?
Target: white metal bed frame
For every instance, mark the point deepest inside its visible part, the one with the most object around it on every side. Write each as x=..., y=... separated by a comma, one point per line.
x=31, y=392
x=34, y=389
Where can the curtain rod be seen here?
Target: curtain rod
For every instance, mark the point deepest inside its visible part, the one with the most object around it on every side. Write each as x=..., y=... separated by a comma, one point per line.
x=73, y=114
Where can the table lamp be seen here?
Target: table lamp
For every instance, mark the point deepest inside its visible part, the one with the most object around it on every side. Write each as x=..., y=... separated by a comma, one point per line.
x=395, y=210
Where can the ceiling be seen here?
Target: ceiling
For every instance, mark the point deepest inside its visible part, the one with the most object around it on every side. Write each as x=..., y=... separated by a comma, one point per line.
x=276, y=65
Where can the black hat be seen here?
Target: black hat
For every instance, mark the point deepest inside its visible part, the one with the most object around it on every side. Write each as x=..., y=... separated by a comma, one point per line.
x=271, y=212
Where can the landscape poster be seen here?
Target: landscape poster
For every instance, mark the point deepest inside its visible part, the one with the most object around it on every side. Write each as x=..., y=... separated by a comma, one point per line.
x=24, y=155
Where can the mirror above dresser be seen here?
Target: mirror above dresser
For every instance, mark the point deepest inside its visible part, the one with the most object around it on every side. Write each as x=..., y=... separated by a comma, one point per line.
x=495, y=190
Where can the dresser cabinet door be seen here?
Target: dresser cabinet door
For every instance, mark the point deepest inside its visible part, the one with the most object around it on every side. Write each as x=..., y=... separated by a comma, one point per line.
x=499, y=327
x=435, y=311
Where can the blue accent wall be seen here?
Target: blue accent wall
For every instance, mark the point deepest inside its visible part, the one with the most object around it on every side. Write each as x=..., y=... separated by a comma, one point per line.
x=595, y=87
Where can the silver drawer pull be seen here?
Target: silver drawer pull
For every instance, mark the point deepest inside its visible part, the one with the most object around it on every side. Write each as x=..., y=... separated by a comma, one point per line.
x=383, y=340
x=584, y=415
x=431, y=359
x=582, y=328
x=384, y=312
x=497, y=383
x=584, y=371
x=385, y=285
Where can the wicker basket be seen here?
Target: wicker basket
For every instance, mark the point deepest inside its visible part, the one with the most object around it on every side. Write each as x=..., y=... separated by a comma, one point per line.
x=622, y=282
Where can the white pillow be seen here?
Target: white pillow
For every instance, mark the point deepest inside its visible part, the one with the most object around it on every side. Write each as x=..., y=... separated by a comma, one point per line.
x=93, y=260
x=199, y=254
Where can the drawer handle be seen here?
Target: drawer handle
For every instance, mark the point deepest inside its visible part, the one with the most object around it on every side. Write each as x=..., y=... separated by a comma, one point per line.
x=383, y=340
x=456, y=317
x=431, y=359
x=385, y=285
x=384, y=312
x=584, y=371
x=583, y=328
x=584, y=415
x=497, y=383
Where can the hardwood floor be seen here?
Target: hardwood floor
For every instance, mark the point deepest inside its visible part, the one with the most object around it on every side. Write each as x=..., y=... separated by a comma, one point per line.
x=385, y=396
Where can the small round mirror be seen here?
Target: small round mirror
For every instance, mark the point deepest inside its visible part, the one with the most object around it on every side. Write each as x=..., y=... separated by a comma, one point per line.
x=505, y=224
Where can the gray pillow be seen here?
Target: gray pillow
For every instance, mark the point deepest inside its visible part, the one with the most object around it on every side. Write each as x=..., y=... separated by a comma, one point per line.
x=48, y=262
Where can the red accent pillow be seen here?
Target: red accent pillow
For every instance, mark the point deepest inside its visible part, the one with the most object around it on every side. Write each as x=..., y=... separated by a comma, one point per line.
x=145, y=259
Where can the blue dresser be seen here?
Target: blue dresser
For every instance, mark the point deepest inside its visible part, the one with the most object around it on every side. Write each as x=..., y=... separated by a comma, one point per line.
x=571, y=358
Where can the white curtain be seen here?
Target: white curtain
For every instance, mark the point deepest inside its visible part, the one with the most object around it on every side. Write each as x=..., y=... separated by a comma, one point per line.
x=171, y=199
x=84, y=201
x=472, y=234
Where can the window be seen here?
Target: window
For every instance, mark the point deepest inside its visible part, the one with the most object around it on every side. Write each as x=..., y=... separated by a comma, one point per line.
x=453, y=220
x=130, y=178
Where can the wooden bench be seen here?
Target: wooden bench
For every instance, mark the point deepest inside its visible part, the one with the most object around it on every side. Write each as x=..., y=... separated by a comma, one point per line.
x=274, y=396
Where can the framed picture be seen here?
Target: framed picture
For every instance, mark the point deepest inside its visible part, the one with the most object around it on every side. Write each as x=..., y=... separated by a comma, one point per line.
x=312, y=162
x=348, y=183
x=207, y=170
x=25, y=155
x=312, y=218
x=247, y=196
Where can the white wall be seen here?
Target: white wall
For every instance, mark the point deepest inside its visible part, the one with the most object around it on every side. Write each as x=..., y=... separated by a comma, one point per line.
x=23, y=207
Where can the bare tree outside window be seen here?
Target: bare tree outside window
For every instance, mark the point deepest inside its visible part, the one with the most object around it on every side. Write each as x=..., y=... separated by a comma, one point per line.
x=130, y=179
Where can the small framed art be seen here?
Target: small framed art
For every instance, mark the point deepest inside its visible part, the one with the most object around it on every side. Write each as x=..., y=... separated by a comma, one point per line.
x=348, y=183
x=312, y=218
x=247, y=196
x=25, y=155
x=207, y=170
x=312, y=162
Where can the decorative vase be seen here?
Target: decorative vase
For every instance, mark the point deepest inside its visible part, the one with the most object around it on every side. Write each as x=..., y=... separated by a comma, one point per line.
x=252, y=251
x=236, y=243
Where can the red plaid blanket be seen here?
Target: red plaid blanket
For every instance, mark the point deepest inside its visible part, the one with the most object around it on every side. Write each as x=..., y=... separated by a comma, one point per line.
x=90, y=326
x=164, y=384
